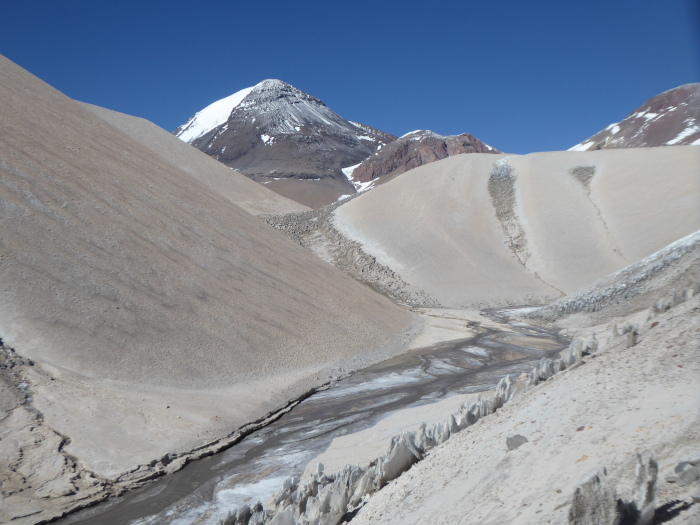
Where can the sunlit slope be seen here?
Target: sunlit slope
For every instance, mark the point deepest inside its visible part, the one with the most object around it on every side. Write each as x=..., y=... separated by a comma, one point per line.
x=480, y=229
x=236, y=187
x=114, y=264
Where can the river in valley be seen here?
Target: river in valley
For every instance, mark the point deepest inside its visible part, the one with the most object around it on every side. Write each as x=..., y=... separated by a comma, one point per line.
x=255, y=468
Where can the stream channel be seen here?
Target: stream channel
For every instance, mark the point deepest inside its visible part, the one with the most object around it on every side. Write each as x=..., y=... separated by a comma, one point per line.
x=254, y=469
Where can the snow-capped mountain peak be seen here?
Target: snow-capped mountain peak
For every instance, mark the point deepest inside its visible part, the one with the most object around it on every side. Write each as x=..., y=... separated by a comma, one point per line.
x=275, y=131
x=212, y=116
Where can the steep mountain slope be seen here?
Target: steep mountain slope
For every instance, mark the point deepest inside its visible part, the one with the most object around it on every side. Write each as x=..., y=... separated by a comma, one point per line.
x=274, y=132
x=492, y=230
x=669, y=119
x=157, y=315
x=410, y=151
x=235, y=187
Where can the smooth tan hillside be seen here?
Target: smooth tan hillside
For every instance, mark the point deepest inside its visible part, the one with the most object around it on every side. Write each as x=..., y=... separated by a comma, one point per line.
x=572, y=218
x=236, y=187
x=136, y=286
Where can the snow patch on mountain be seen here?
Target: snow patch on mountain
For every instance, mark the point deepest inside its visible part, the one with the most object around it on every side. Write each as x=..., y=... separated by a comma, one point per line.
x=212, y=116
x=359, y=186
x=348, y=171
x=690, y=130
x=668, y=119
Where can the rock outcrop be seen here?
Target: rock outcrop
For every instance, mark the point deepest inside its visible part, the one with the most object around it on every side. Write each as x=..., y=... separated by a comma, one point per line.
x=669, y=119
x=412, y=150
x=316, y=231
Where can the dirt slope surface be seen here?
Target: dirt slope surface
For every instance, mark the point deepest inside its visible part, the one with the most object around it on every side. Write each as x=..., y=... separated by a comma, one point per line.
x=493, y=229
x=157, y=314
x=234, y=186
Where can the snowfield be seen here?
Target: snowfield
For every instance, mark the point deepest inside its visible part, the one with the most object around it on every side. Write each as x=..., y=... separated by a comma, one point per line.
x=212, y=116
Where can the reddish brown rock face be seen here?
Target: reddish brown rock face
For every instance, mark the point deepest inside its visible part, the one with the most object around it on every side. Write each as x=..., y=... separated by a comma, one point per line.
x=416, y=149
x=669, y=119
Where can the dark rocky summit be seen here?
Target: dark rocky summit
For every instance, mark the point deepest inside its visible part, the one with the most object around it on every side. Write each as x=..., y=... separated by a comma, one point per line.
x=277, y=132
x=292, y=142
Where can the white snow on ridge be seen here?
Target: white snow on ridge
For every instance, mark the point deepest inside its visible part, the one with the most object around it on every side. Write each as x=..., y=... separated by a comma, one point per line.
x=348, y=171
x=364, y=186
x=683, y=134
x=581, y=147
x=359, y=186
x=412, y=132
x=212, y=116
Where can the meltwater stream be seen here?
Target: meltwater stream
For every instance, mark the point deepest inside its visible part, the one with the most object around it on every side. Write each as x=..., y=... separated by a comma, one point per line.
x=255, y=468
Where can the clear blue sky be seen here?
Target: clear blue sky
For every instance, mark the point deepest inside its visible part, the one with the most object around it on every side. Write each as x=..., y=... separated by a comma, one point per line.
x=522, y=76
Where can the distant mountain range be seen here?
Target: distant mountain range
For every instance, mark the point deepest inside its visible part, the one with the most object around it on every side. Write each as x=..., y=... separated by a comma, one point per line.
x=294, y=144
x=669, y=119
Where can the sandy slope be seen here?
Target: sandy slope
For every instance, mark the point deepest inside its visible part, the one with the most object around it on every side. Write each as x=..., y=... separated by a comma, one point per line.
x=557, y=222
x=237, y=188
x=309, y=192
x=159, y=315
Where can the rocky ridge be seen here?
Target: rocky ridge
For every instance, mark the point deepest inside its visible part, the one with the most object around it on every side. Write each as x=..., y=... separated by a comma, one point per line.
x=671, y=118
x=410, y=151
x=315, y=230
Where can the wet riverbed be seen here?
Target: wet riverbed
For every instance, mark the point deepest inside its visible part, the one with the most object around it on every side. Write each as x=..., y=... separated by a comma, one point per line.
x=255, y=468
